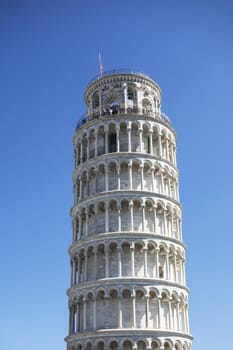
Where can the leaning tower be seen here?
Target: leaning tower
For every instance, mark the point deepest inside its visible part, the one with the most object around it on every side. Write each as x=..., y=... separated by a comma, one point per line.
x=128, y=288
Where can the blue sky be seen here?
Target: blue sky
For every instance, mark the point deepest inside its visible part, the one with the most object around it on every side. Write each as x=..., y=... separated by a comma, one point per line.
x=49, y=52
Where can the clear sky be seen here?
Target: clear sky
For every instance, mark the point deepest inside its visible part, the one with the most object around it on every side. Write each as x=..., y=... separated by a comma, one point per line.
x=49, y=52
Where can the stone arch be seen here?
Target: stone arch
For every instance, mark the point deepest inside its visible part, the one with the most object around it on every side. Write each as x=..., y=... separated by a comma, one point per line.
x=92, y=180
x=179, y=262
x=113, y=215
x=135, y=141
x=113, y=345
x=166, y=179
x=169, y=150
x=160, y=223
x=164, y=309
x=79, y=320
x=153, y=320
x=151, y=259
x=91, y=139
x=123, y=137
x=178, y=345
x=136, y=174
x=139, y=268
x=91, y=219
x=169, y=210
x=112, y=138
x=101, y=173
x=155, y=344
x=89, y=310
x=125, y=215
x=100, y=345
x=174, y=310
x=79, y=346
x=149, y=216
x=112, y=308
x=147, y=177
x=167, y=344
x=124, y=175
x=126, y=264
x=157, y=178
x=113, y=259
x=162, y=261
x=131, y=91
x=114, y=107
x=140, y=303
x=95, y=100
x=100, y=308
x=176, y=233
x=91, y=267
x=173, y=186
x=76, y=228
x=101, y=140
x=110, y=101
x=137, y=214
x=141, y=344
x=84, y=179
x=100, y=258
x=88, y=346
x=155, y=141
x=172, y=262
x=147, y=106
x=126, y=304
x=100, y=224
x=84, y=144
x=182, y=306
x=81, y=269
x=145, y=146
x=112, y=175
x=163, y=143
x=127, y=345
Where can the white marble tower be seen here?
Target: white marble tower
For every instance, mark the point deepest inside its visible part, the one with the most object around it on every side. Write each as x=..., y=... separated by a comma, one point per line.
x=128, y=289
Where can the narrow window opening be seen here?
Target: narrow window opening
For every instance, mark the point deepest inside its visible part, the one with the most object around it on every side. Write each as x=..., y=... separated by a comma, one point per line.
x=148, y=145
x=112, y=143
x=161, y=273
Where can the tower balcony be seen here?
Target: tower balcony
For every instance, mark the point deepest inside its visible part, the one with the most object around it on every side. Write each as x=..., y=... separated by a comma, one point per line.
x=120, y=71
x=96, y=114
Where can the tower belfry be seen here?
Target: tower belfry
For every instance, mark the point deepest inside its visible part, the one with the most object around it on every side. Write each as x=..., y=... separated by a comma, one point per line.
x=128, y=288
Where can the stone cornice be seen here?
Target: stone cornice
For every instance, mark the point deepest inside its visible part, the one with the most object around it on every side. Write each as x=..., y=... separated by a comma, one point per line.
x=125, y=155
x=114, y=236
x=121, y=194
x=137, y=333
x=121, y=78
x=131, y=282
x=124, y=117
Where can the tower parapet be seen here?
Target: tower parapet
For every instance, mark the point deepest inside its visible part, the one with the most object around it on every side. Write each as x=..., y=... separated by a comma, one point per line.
x=128, y=288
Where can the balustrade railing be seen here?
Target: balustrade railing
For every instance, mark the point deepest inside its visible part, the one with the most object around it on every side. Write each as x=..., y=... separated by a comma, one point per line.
x=106, y=113
x=119, y=71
